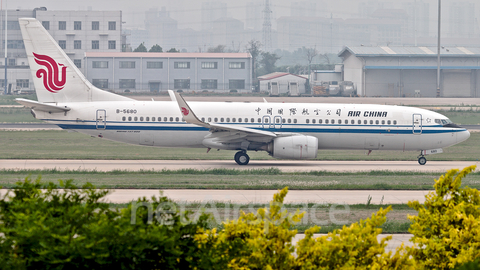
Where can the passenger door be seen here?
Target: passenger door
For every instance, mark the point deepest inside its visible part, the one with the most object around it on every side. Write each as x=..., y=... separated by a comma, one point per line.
x=417, y=123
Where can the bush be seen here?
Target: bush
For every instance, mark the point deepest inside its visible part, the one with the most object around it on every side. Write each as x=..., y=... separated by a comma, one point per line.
x=45, y=228
x=446, y=232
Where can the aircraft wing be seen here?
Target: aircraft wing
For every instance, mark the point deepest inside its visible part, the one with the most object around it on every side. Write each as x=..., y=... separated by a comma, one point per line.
x=231, y=132
x=39, y=106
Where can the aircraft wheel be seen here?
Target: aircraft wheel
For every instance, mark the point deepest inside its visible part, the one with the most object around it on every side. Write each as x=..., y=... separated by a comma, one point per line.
x=422, y=160
x=242, y=158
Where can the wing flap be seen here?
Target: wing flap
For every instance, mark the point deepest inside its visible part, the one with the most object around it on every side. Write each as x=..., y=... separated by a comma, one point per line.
x=39, y=106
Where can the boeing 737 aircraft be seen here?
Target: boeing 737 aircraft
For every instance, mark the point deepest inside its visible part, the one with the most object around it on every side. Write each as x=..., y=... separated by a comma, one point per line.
x=283, y=130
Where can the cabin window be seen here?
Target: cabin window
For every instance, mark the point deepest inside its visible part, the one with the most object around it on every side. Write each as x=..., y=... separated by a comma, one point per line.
x=266, y=120
x=352, y=122
x=233, y=120
x=177, y=119
x=277, y=120
x=377, y=122
x=203, y=119
x=159, y=119
x=209, y=119
x=135, y=119
x=365, y=122
x=320, y=121
x=326, y=121
x=239, y=120
x=228, y=120
x=141, y=118
x=216, y=119
x=389, y=122
x=221, y=120
x=252, y=120
x=294, y=121
x=124, y=118
x=165, y=119
x=147, y=118
x=171, y=119
x=284, y=120
x=129, y=118
x=333, y=121
x=313, y=121
x=259, y=120
x=340, y=121
x=307, y=121
x=383, y=122
x=289, y=121
x=246, y=120
x=371, y=122
x=394, y=122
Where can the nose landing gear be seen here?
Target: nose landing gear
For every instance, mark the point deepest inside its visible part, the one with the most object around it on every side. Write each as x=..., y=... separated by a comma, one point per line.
x=242, y=158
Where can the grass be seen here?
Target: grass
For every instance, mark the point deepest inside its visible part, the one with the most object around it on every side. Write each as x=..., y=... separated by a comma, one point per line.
x=262, y=179
x=10, y=99
x=55, y=144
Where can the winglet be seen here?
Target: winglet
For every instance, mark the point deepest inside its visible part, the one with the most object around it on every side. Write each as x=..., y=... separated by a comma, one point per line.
x=186, y=111
x=172, y=95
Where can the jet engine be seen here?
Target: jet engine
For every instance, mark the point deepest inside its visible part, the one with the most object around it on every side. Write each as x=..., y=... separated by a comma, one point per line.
x=294, y=147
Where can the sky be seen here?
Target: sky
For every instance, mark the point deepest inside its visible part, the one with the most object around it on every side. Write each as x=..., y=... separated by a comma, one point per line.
x=188, y=12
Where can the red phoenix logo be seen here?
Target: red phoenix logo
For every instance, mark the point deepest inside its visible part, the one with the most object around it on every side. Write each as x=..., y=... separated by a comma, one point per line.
x=51, y=76
x=185, y=111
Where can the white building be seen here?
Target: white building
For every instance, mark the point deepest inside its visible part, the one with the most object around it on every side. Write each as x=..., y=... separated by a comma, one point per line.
x=282, y=83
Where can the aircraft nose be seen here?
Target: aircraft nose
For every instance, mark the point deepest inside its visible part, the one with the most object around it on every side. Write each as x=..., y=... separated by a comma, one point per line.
x=463, y=136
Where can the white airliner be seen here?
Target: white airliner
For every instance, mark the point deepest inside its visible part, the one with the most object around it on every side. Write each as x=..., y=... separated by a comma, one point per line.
x=283, y=130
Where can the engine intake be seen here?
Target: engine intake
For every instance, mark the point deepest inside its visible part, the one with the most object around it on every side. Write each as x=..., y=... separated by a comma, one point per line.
x=294, y=147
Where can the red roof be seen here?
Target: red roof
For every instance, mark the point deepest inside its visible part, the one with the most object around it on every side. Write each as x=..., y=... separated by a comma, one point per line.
x=274, y=75
x=167, y=55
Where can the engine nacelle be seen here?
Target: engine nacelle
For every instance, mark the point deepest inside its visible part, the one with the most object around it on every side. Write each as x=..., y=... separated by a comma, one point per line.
x=294, y=147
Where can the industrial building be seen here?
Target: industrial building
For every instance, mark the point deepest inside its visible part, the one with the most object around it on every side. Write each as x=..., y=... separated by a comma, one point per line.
x=154, y=72
x=412, y=71
x=279, y=83
x=76, y=32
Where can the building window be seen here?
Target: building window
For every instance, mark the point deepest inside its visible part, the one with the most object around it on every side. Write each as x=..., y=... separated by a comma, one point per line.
x=154, y=64
x=112, y=44
x=100, y=83
x=112, y=25
x=209, y=65
x=12, y=62
x=13, y=25
x=14, y=44
x=95, y=25
x=236, y=65
x=78, y=63
x=127, y=83
x=181, y=83
x=209, y=84
x=77, y=44
x=127, y=64
x=46, y=25
x=22, y=83
x=62, y=44
x=95, y=44
x=100, y=64
x=236, y=84
x=62, y=25
x=182, y=65
x=77, y=25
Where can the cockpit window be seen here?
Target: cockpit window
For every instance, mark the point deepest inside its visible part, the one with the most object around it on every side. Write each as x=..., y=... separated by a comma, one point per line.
x=443, y=121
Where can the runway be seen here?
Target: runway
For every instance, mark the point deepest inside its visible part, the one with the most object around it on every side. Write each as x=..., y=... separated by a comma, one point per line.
x=283, y=165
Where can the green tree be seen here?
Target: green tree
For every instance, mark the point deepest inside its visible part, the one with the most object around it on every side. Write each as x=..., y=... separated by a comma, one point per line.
x=173, y=50
x=447, y=228
x=268, y=62
x=218, y=49
x=141, y=48
x=253, y=47
x=155, y=48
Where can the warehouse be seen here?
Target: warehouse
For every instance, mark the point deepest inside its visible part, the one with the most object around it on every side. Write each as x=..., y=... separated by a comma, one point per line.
x=278, y=83
x=412, y=71
x=155, y=72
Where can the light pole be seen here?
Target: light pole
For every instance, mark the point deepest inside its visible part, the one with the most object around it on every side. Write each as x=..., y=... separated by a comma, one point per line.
x=438, y=49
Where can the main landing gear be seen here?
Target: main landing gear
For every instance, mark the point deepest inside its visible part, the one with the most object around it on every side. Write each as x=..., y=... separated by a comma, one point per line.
x=422, y=160
x=242, y=158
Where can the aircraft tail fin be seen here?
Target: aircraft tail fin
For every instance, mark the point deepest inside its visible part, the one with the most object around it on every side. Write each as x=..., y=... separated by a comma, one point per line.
x=55, y=76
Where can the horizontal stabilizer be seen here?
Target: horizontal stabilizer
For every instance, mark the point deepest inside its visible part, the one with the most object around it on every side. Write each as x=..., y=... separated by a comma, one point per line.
x=39, y=106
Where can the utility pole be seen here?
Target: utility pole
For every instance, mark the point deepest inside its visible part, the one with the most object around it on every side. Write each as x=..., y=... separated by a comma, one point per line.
x=267, y=27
